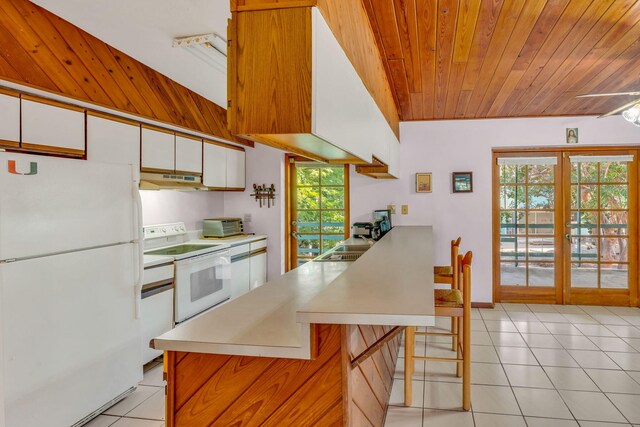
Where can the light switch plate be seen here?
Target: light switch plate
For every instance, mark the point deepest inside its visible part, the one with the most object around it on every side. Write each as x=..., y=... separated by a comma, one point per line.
x=405, y=209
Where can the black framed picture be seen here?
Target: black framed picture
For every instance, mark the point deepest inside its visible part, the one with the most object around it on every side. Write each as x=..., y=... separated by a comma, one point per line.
x=462, y=182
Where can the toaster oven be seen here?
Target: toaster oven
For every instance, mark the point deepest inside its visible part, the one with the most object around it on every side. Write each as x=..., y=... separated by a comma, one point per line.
x=222, y=227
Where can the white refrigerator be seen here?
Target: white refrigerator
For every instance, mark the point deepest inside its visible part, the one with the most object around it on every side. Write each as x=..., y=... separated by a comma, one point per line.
x=70, y=280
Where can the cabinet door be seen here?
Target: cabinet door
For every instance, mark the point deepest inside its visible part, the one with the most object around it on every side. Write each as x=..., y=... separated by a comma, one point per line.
x=235, y=168
x=52, y=128
x=9, y=120
x=240, y=277
x=158, y=150
x=112, y=141
x=188, y=155
x=214, y=173
x=258, y=270
x=157, y=318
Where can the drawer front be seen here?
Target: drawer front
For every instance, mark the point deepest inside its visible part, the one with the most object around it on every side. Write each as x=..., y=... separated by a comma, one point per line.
x=156, y=274
x=258, y=245
x=240, y=249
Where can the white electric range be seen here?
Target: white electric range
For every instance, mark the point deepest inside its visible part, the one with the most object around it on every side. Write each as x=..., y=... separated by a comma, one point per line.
x=202, y=269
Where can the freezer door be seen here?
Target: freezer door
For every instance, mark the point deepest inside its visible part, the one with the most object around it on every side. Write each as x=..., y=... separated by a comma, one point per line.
x=50, y=205
x=71, y=339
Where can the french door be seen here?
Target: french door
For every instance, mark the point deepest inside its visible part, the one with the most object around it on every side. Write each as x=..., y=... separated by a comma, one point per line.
x=565, y=226
x=317, y=209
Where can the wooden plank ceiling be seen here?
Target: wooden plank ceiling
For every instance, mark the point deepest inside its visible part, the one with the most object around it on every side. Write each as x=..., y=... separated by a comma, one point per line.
x=455, y=59
x=39, y=49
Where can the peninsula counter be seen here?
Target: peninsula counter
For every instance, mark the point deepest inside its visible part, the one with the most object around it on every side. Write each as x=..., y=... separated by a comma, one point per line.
x=316, y=346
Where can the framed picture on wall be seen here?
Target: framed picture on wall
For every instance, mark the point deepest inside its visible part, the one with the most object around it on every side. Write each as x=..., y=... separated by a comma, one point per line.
x=423, y=182
x=462, y=182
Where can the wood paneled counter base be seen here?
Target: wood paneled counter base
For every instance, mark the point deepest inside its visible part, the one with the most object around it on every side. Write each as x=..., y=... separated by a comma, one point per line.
x=348, y=382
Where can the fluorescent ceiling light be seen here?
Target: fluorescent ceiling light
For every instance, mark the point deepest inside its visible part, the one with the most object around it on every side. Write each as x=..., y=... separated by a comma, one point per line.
x=210, y=48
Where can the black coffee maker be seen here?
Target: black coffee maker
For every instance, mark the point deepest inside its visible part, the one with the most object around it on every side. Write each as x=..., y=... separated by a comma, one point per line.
x=381, y=224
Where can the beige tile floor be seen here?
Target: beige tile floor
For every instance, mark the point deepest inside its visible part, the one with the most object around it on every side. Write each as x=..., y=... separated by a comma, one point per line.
x=143, y=408
x=532, y=366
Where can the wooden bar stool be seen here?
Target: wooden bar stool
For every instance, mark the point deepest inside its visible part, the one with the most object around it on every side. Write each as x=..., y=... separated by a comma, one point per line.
x=444, y=273
x=454, y=303
x=448, y=274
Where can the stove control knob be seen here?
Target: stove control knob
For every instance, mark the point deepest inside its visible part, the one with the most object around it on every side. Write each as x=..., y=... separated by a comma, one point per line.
x=164, y=230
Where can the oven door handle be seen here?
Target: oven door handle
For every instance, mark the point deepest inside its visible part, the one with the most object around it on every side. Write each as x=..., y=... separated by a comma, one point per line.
x=216, y=259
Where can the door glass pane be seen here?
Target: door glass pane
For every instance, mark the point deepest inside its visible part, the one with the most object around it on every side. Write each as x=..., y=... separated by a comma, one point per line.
x=308, y=221
x=309, y=245
x=508, y=247
x=614, y=276
x=614, y=196
x=307, y=176
x=584, y=172
x=329, y=242
x=332, y=176
x=541, y=248
x=540, y=223
x=308, y=197
x=613, y=172
x=584, y=249
x=584, y=223
x=508, y=174
x=614, y=222
x=541, y=274
x=333, y=222
x=513, y=274
x=584, y=275
x=333, y=198
x=614, y=249
x=584, y=197
x=541, y=174
x=512, y=222
x=512, y=197
x=540, y=197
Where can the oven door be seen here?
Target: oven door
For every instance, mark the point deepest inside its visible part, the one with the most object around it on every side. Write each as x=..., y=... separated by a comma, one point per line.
x=201, y=283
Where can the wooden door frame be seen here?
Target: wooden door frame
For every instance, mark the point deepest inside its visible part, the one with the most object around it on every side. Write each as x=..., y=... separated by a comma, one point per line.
x=499, y=294
x=289, y=185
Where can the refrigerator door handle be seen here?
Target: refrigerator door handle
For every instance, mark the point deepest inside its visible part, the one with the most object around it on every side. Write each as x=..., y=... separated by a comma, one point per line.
x=139, y=246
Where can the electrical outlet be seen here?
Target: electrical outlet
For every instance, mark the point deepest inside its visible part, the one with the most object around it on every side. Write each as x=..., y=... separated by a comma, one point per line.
x=247, y=218
x=391, y=209
x=405, y=209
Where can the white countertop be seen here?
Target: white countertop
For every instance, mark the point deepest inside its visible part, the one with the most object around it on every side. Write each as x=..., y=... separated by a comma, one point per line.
x=151, y=260
x=391, y=284
x=235, y=241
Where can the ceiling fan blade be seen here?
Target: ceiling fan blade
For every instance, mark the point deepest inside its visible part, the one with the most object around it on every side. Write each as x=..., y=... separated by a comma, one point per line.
x=590, y=95
x=620, y=109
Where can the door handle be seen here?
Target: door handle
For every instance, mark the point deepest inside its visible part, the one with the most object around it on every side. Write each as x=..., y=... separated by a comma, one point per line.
x=295, y=235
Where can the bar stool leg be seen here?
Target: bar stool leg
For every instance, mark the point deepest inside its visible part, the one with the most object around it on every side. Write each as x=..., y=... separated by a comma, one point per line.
x=409, y=347
x=454, y=331
x=466, y=375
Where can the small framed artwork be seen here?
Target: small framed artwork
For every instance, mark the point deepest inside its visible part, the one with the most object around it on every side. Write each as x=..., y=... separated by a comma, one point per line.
x=423, y=182
x=462, y=182
x=572, y=135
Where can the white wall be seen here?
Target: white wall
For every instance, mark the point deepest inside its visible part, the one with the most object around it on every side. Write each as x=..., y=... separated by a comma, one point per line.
x=265, y=165
x=442, y=147
x=191, y=207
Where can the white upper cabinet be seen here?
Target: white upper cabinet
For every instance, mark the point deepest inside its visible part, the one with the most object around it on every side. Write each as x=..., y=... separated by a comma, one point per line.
x=113, y=141
x=394, y=159
x=9, y=120
x=188, y=155
x=214, y=173
x=158, y=150
x=235, y=168
x=52, y=128
x=344, y=112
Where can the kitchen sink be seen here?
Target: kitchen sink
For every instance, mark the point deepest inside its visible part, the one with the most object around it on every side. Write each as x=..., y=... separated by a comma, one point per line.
x=343, y=253
x=352, y=248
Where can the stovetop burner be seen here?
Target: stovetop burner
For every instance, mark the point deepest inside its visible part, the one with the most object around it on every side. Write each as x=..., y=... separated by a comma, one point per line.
x=180, y=249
